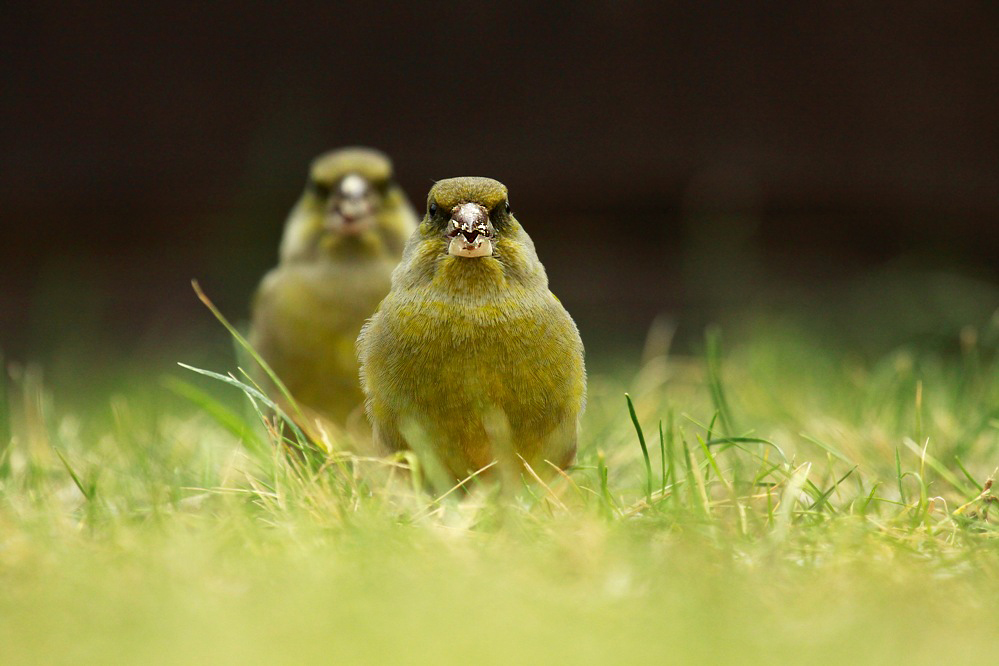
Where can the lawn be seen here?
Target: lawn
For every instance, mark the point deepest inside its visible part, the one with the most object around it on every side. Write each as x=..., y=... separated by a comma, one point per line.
x=770, y=493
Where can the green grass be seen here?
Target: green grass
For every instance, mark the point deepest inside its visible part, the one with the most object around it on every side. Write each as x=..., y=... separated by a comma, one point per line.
x=773, y=498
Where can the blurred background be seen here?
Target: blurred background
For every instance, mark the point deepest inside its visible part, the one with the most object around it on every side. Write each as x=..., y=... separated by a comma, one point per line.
x=703, y=160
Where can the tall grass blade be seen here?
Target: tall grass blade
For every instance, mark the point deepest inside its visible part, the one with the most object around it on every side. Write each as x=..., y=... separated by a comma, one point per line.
x=662, y=459
x=645, y=449
x=249, y=350
x=713, y=353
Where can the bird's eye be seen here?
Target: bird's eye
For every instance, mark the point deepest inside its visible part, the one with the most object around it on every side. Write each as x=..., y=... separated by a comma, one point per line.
x=432, y=209
x=319, y=189
x=506, y=207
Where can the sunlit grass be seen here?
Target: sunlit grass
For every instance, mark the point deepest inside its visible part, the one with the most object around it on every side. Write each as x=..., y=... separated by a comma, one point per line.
x=770, y=499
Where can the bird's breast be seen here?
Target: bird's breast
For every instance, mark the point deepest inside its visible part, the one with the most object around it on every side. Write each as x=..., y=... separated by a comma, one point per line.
x=520, y=354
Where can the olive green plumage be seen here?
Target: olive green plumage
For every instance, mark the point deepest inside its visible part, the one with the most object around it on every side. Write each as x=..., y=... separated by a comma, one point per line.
x=341, y=242
x=471, y=331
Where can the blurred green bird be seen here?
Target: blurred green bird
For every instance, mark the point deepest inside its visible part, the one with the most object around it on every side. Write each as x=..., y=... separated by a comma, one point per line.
x=470, y=349
x=341, y=243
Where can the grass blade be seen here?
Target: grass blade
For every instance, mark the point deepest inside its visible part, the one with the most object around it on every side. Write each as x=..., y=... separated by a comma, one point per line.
x=605, y=493
x=747, y=440
x=967, y=474
x=827, y=448
x=222, y=415
x=823, y=498
x=249, y=350
x=713, y=353
x=88, y=494
x=252, y=392
x=662, y=459
x=937, y=467
x=789, y=498
x=899, y=476
x=645, y=448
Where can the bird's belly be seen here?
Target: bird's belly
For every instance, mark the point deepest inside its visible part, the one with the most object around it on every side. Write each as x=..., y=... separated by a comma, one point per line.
x=474, y=374
x=309, y=338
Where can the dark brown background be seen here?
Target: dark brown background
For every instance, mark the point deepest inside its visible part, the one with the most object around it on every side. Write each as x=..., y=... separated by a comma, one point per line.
x=681, y=157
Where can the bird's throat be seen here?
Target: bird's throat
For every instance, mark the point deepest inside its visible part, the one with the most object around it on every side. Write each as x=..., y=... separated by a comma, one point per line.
x=474, y=278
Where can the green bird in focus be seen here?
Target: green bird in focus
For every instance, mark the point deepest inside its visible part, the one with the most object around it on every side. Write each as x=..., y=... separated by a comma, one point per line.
x=341, y=243
x=470, y=348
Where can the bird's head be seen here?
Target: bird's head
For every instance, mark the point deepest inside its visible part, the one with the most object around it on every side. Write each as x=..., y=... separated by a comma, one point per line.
x=469, y=235
x=350, y=204
x=471, y=212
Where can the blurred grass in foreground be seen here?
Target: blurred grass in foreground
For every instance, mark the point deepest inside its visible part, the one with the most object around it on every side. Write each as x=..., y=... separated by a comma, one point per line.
x=797, y=501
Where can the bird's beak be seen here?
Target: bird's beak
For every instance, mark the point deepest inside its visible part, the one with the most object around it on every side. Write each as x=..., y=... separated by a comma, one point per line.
x=350, y=211
x=470, y=231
